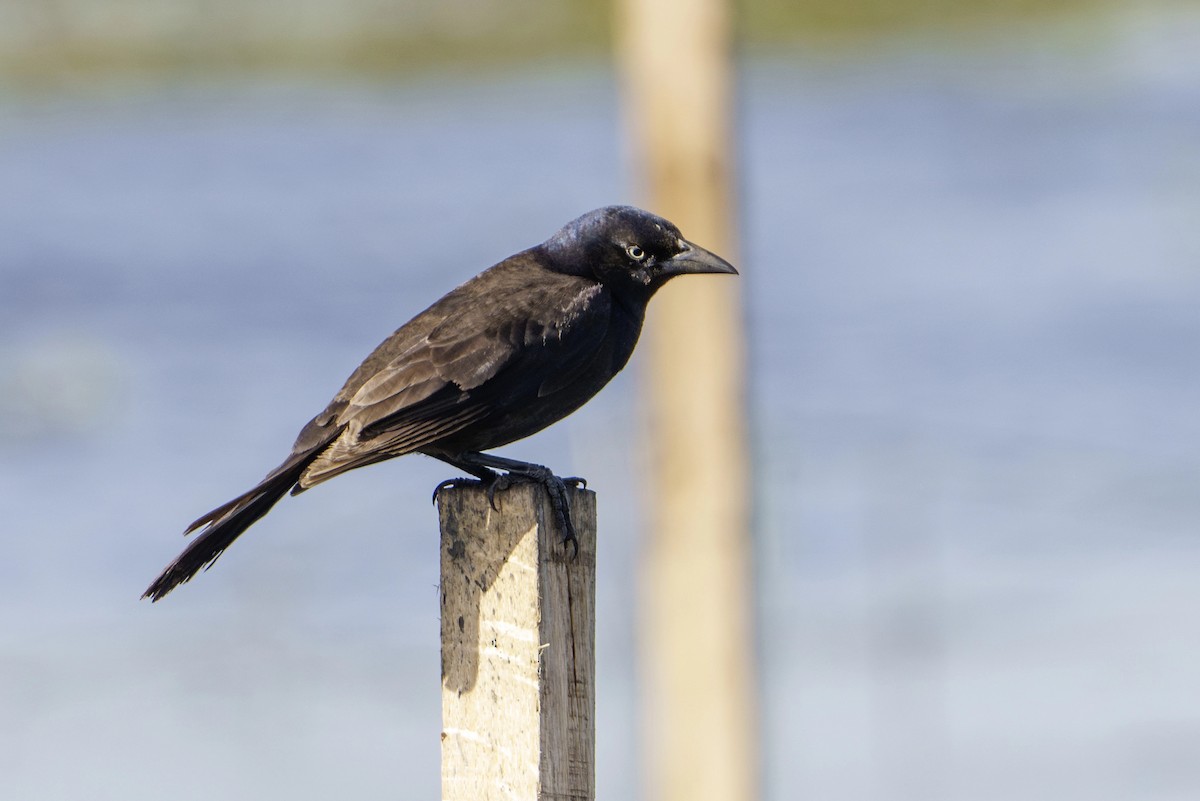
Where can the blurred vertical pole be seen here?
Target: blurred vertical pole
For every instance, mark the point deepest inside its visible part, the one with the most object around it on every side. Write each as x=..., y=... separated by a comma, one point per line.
x=696, y=638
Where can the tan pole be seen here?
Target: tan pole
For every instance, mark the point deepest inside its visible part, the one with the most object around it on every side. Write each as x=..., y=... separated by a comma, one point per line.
x=696, y=639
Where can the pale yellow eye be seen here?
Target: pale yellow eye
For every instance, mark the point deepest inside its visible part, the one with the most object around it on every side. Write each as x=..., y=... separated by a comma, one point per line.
x=635, y=253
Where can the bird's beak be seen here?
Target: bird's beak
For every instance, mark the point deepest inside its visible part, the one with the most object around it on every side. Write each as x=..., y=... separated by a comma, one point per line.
x=695, y=259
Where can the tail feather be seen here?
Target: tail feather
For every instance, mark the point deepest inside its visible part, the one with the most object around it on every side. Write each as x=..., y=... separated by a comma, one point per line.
x=225, y=524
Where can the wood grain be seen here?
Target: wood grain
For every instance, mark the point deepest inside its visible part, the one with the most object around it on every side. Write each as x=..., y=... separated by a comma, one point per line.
x=518, y=648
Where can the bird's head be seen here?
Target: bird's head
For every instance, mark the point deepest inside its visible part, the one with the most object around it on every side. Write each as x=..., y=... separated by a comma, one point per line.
x=629, y=250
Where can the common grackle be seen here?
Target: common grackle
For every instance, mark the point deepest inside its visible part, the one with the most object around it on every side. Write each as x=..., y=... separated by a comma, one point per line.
x=516, y=348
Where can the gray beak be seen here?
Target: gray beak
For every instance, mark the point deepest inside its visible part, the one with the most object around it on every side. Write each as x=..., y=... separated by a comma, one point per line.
x=695, y=259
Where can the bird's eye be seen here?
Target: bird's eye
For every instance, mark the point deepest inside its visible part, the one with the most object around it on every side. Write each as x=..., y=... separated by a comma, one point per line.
x=635, y=253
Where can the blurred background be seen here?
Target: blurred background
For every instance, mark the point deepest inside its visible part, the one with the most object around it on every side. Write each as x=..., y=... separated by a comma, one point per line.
x=969, y=250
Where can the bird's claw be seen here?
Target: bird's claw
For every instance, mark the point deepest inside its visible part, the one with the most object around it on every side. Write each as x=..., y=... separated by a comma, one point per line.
x=557, y=489
x=568, y=536
x=462, y=481
x=500, y=482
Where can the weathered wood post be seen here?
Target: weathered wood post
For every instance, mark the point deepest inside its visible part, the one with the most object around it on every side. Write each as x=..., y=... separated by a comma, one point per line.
x=518, y=647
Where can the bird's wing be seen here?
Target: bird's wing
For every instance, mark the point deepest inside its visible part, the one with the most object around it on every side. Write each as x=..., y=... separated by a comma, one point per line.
x=471, y=360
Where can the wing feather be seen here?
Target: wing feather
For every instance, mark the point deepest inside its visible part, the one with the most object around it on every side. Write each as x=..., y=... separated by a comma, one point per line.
x=436, y=379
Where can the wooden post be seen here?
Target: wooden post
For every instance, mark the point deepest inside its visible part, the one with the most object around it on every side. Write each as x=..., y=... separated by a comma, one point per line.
x=518, y=648
x=697, y=640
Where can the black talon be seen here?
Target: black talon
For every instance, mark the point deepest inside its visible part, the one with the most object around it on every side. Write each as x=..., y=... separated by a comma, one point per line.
x=569, y=538
x=557, y=489
x=483, y=477
x=454, y=482
x=500, y=482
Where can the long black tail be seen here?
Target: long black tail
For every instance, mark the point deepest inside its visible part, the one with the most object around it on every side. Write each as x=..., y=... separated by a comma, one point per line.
x=225, y=524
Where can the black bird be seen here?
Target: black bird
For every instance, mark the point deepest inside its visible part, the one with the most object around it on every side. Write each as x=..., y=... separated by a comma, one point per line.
x=516, y=348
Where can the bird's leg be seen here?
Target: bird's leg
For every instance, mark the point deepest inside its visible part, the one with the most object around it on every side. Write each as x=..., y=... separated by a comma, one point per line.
x=517, y=471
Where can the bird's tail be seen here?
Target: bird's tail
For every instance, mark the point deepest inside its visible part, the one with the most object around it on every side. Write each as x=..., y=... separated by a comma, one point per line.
x=225, y=524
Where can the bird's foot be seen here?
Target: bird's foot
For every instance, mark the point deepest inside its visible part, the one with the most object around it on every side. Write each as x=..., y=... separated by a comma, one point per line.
x=556, y=489
x=485, y=466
